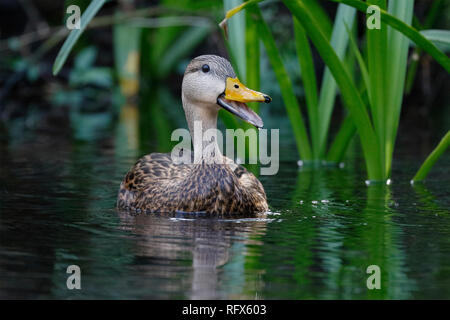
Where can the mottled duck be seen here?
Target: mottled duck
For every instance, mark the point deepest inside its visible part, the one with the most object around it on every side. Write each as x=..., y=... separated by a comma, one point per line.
x=215, y=184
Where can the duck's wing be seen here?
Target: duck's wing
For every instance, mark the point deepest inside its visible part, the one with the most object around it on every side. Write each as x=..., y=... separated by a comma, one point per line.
x=150, y=168
x=149, y=171
x=252, y=189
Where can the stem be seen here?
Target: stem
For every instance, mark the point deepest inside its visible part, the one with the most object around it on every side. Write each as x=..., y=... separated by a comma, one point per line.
x=377, y=56
x=432, y=158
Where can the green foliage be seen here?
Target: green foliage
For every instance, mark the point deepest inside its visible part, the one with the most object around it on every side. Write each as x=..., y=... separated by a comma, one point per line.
x=309, y=83
x=339, y=41
x=406, y=30
x=84, y=73
x=432, y=158
x=374, y=103
x=236, y=36
x=75, y=34
x=441, y=38
x=287, y=91
x=348, y=89
x=376, y=118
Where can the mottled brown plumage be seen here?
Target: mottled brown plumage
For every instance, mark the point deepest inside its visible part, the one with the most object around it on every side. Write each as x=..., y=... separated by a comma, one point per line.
x=157, y=184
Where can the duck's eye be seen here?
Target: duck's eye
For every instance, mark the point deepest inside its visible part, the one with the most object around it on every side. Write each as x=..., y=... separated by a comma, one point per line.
x=205, y=68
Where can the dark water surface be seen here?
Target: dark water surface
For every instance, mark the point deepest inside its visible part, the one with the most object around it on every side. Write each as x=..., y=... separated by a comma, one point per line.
x=57, y=202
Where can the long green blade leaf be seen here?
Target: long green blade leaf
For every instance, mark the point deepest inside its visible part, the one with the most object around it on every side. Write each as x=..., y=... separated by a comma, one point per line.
x=86, y=17
x=377, y=56
x=348, y=90
x=407, y=30
x=287, y=91
x=432, y=158
x=342, y=140
x=252, y=65
x=441, y=38
x=328, y=89
x=236, y=37
x=325, y=21
x=396, y=65
x=360, y=59
x=309, y=83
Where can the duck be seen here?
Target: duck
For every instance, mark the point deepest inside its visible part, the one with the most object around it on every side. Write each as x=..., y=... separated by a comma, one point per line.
x=214, y=183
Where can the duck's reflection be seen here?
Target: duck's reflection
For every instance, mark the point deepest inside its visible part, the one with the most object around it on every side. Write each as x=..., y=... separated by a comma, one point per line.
x=191, y=251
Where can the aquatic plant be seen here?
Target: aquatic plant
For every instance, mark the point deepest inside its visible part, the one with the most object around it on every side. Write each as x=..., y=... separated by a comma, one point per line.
x=432, y=158
x=375, y=118
x=374, y=105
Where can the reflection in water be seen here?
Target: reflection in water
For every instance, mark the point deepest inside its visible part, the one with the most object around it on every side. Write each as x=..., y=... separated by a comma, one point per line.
x=170, y=241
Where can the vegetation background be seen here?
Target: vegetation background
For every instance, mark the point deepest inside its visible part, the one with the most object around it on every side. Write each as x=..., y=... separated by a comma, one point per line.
x=127, y=68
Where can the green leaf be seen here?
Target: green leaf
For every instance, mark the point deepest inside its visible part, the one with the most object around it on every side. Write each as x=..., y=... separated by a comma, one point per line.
x=342, y=140
x=325, y=22
x=309, y=83
x=287, y=91
x=95, y=76
x=376, y=56
x=252, y=53
x=360, y=59
x=328, y=89
x=396, y=65
x=349, y=92
x=432, y=158
x=441, y=38
x=236, y=37
x=407, y=30
x=75, y=34
x=86, y=58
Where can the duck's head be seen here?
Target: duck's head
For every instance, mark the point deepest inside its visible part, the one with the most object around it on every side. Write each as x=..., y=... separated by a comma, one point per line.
x=210, y=82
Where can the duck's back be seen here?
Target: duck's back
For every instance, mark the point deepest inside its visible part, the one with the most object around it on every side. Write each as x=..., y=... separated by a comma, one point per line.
x=157, y=184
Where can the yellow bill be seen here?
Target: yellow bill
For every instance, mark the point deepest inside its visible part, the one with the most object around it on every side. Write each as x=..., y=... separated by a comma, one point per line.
x=236, y=91
x=234, y=98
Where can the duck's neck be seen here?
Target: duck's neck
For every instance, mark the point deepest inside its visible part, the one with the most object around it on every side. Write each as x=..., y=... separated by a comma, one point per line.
x=202, y=122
